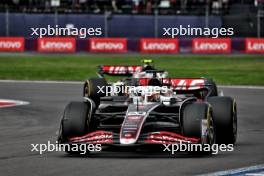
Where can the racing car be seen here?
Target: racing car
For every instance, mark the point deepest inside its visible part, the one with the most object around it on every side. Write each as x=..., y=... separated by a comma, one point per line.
x=132, y=74
x=152, y=111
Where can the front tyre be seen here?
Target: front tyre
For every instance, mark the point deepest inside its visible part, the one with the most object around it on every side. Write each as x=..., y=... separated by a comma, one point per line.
x=197, y=122
x=225, y=118
x=76, y=121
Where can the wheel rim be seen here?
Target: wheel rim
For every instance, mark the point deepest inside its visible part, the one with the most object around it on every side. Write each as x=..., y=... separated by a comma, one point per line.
x=86, y=92
x=211, y=131
x=234, y=121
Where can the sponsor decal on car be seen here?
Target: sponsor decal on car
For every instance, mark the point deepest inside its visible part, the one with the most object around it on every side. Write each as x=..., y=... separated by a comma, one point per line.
x=12, y=44
x=178, y=83
x=56, y=44
x=108, y=45
x=97, y=137
x=254, y=45
x=159, y=45
x=121, y=69
x=187, y=84
x=208, y=45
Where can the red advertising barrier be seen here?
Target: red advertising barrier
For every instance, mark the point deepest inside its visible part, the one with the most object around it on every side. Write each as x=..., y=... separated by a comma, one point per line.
x=152, y=45
x=12, y=44
x=56, y=44
x=108, y=45
x=209, y=45
x=254, y=45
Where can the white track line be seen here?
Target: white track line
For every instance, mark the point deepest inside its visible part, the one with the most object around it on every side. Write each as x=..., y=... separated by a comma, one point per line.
x=41, y=82
x=242, y=87
x=252, y=170
x=16, y=103
x=80, y=82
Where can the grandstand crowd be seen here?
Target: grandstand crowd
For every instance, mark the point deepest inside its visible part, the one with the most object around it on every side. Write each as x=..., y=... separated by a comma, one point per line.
x=125, y=6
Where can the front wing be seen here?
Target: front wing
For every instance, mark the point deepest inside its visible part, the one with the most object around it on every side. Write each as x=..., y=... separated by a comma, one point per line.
x=107, y=137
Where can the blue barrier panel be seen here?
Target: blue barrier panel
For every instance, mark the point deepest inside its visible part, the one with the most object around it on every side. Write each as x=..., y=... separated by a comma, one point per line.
x=129, y=26
x=82, y=21
x=193, y=21
x=2, y=24
x=20, y=24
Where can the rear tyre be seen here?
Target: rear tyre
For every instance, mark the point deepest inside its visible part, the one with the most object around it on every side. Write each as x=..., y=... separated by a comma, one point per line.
x=94, y=88
x=225, y=118
x=197, y=122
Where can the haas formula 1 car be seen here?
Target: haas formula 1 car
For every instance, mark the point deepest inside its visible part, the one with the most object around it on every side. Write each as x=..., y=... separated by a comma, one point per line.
x=133, y=75
x=151, y=110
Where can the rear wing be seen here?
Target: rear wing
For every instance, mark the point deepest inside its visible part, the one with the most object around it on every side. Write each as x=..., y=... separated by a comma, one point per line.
x=179, y=83
x=200, y=87
x=118, y=70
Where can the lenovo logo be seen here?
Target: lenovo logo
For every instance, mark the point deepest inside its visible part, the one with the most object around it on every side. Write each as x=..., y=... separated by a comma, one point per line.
x=254, y=45
x=202, y=45
x=56, y=44
x=11, y=44
x=159, y=45
x=211, y=46
x=108, y=45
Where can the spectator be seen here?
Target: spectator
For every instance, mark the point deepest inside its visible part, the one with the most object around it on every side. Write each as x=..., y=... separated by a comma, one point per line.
x=216, y=6
x=183, y=5
x=136, y=6
x=173, y=4
x=115, y=4
x=149, y=6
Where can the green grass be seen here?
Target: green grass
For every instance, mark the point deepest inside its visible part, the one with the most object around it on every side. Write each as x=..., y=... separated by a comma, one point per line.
x=237, y=70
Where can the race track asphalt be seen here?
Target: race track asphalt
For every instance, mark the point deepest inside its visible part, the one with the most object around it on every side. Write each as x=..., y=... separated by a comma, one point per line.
x=38, y=122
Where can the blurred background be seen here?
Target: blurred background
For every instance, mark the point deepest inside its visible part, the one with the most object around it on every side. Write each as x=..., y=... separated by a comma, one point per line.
x=132, y=30
x=132, y=18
